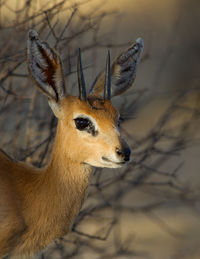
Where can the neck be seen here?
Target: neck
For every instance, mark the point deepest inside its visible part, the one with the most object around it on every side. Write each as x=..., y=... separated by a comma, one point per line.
x=60, y=193
x=67, y=178
x=62, y=166
x=51, y=197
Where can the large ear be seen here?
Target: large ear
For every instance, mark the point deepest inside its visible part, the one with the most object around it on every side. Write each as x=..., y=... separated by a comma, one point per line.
x=45, y=68
x=123, y=71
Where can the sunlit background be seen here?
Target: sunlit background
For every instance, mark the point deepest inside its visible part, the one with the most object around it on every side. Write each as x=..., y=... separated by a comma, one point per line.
x=170, y=67
x=169, y=29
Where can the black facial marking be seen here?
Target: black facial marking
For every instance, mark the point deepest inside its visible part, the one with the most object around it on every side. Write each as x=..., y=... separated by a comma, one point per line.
x=96, y=103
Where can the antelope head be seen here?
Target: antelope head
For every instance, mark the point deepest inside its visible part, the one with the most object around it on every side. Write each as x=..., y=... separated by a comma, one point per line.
x=88, y=124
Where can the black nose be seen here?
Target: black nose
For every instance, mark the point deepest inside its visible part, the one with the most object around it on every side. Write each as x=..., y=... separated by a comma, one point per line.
x=124, y=153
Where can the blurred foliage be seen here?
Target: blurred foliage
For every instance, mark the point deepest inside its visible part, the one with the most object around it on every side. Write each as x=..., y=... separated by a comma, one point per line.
x=27, y=129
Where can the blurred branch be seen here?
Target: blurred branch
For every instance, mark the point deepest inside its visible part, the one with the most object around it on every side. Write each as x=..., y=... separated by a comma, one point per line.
x=24, y=113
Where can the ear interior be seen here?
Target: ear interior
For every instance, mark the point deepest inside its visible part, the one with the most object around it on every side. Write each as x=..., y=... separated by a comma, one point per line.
x=55, y=108
x=123, y=71
x=45, y=67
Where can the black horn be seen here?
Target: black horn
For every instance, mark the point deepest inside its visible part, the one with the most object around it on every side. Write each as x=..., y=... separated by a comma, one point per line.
x=81, y=80
x=107, y=81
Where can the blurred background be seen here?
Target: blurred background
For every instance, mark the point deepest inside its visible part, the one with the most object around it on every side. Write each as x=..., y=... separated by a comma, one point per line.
x=151, y=208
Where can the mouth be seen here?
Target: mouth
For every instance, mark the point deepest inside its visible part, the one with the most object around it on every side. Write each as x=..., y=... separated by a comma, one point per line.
x=113, y=162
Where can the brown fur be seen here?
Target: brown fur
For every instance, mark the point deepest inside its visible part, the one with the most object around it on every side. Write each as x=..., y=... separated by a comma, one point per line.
x=39, y=205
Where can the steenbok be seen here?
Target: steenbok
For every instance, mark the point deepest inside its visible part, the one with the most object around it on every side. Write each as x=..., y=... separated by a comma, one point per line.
x=38, y=205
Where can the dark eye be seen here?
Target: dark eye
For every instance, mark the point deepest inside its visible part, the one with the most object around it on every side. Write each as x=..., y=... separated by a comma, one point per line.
x=84, y=124
x=81, y=123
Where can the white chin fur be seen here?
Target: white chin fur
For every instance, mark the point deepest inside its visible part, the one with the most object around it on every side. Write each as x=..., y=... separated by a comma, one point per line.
x=106, y=164
x=110, y=165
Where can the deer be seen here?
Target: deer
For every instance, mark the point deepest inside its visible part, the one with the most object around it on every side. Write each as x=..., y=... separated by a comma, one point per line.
x=39, y=205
